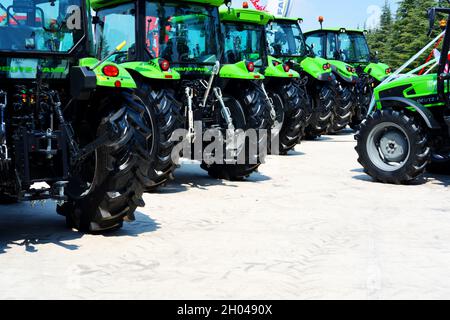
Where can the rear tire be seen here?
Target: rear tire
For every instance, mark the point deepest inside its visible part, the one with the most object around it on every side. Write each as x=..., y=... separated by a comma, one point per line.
x=294, y=117
x=324, y=102
x=250, y=111
x=344, y=108
x=365, y=93
x=107, y=187
x=169, y=118
x=392, y=147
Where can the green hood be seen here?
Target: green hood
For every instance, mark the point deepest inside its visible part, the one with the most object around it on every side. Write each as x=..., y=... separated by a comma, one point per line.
x=344, y=70
x=378, y=71
x=315, y=67
x=413, y=88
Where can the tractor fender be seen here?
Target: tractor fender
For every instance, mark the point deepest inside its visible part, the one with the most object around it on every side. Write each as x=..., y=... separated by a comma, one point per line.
x=426, y=114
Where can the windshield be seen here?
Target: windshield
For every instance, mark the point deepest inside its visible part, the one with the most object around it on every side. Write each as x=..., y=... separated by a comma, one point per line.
x=286, y=40
x=182, y=34
x=40, y=25
x=117, y=25
x=244, y=42
x=353, y=47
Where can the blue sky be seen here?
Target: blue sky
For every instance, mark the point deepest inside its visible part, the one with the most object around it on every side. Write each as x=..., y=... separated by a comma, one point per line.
x=339, y=13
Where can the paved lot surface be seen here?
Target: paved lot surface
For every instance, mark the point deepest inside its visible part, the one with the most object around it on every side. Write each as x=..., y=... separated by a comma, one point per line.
x=310, y=225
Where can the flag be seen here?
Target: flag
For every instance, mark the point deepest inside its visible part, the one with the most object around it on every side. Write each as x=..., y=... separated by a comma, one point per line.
x=276, y=7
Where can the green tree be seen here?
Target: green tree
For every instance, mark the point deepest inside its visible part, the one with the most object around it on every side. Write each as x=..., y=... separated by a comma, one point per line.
x=378, y=39
x=398, y=39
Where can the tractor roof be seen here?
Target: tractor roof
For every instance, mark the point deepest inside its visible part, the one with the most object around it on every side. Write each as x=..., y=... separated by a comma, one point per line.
x=245, y=16
x=99, y=4
x=337, y=30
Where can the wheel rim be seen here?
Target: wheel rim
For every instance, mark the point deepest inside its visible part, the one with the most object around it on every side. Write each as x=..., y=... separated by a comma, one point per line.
x=388, y=146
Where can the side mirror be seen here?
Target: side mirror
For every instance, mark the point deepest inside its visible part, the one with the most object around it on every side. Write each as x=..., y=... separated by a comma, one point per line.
x=432, y=19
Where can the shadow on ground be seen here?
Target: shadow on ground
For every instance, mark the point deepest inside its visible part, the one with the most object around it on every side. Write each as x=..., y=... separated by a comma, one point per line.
x=190, y=175
x=443, y=180
x=24, y=226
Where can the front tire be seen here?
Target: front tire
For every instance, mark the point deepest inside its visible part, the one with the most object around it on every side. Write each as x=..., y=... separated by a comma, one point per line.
x=392, y=147
x=106, y=188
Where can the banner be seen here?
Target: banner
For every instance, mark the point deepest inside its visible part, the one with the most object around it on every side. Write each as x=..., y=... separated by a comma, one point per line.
x=276, y=7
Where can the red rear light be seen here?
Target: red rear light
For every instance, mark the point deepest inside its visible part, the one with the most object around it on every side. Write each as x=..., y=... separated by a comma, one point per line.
x=287, y=68
x=251, y=67
x=110, y=71
x=326, y=66
x=388, y=71
x=165, y=65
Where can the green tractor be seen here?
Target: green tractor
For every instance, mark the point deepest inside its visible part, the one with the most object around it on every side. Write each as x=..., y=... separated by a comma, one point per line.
x=184, y=38
x=349, y=53
x=411, y=124
x=287, y=43
x=156, y=81
x=72, y=130
x=245, y=39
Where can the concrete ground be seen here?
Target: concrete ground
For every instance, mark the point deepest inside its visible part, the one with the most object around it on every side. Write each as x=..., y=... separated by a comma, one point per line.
x=309, y=226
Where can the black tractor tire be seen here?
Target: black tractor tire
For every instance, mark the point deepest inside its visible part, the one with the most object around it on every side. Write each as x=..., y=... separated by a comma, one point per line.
x=167, y=110
x=364, y=97
x=389, y=137
x=106, y=188
x=345, y=107
x=324, y=102
x=250, y=110
x=293, y=120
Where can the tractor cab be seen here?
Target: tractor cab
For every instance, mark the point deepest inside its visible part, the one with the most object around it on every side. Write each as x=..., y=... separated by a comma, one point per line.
x=174, y=35
x=348, y=46
x=41, y=36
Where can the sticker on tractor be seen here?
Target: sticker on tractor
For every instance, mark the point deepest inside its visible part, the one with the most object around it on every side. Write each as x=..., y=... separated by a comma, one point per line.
x=23, y=69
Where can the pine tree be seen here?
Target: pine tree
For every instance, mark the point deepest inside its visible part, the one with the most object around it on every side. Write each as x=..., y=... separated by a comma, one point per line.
x=378, y=39
x=397, y=40
x=409, y=34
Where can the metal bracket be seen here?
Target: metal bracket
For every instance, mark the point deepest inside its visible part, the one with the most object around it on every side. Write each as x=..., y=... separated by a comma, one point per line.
x=226, y=113
x=191, y=131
